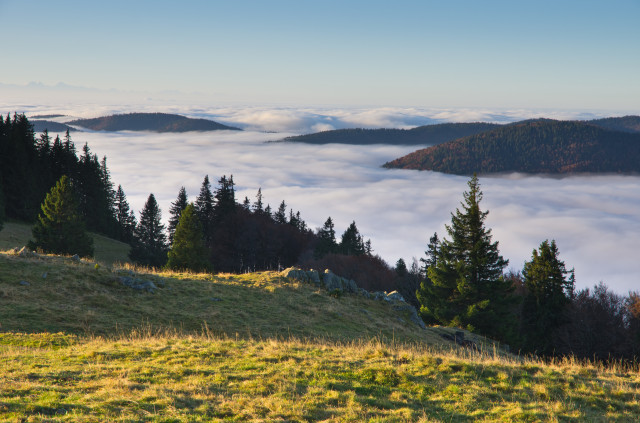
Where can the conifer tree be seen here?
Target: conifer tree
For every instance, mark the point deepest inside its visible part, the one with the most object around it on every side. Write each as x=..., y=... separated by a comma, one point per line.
x=225, y=199
x=150, y=243
x=60, y=228
x=280, y=216
x=175, y=211
x=326, y=239
x=125, y=216
x=188, y=250
x=549, y=293
x=468, y=288
x=351, y=243
x=257, y=206
x=204, y=206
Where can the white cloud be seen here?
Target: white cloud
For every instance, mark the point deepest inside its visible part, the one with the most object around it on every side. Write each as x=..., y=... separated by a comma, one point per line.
x=594, y=219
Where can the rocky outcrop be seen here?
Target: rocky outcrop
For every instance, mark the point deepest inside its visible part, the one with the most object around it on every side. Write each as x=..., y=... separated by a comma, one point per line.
x=337, y=284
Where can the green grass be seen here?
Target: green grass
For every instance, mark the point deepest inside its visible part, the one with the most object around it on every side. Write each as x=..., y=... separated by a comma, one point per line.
x=76, y=345
x=107, y=250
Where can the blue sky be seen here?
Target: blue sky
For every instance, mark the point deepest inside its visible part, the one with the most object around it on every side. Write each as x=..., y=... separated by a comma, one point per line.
x=531, y=54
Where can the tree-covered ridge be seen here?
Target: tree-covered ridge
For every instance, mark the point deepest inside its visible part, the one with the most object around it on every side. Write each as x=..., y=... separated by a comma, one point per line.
x=537, y=146
x=623, y=124
x=155, y=122
x=421, y=135
x=48, y=125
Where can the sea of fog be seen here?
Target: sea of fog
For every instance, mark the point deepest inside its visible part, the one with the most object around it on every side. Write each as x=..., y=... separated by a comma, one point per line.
x=594, y=219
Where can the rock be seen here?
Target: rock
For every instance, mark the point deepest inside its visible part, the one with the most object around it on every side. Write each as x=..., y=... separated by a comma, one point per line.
x=24, y=283
x=350, y=285
x=44, y=275
x=413, y=313
x=25, y=252
x=363, y=292
x=395, y=296
x=215, y=299
x=75, y=257
x=314, y=277
x=379, y=295
x=332, y=282
x=138, y=284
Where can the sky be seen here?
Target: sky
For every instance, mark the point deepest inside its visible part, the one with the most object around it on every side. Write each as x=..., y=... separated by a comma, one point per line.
x=570, y=54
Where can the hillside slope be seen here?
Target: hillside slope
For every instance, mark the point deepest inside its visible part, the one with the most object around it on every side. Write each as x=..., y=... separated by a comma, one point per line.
x=260, y=347
x=421, y=135
x=538, y=146
x=624, y=123
x=155, y=122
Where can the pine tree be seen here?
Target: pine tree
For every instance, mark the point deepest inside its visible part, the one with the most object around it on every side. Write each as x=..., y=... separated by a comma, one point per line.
x=257, y=206
x=225, y=199
x=549, y=293
x=351, y=243
x=205, y=208
x=175, y=211
x=60, y=228
x=125, y=216
x=427, y=293
x=326, y=239
x=188, y=250
x=469, y=290
x=150, y=243
x=280, y=216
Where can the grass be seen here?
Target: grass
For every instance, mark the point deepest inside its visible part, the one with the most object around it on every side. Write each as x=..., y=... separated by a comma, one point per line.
x=107, y=250
x=76, y=345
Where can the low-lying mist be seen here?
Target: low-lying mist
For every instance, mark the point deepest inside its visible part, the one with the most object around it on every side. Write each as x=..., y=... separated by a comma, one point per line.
x=594, y=219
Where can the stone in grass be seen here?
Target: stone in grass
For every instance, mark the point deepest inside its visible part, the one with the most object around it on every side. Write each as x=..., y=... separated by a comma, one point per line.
x=24, y=283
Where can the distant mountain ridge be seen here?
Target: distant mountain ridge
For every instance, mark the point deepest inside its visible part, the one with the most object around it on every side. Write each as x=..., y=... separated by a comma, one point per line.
x=155, y=122
x=421, y=135
x=536, y=146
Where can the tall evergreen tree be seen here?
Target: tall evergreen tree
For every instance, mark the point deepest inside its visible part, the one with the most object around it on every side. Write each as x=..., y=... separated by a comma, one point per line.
x=351, y=243
x=257, y=206
x=326, y=239
x=175, y=211
x=150, y=243
x=225, y=199
x=468, y=288
x=60, y=227
x=549, y=286
x=280, y=216
x=204, y=206
x=188, y=250
x=125, y=217
x=427, y=293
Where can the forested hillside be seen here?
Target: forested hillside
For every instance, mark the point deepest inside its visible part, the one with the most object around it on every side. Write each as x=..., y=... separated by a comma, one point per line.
x=624, y=123
x=156, y=122
x=422, y=135
x=537, y=146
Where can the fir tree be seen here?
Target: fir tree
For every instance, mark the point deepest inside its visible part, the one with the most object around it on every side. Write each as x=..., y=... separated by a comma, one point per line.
x=125, y=217
x=60, y=228
x=204, y=206
x=175, y=211
x=326, y=239
x=468, y=288
x=549, y=293
x=427, y=293
x=150, y=243
x=257, y=206
x=188, y=251
x=280, y=216
x=225, y=199
x=351, y=243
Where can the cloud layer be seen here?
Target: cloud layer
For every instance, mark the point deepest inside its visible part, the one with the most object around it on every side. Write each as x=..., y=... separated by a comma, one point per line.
x=592, y=218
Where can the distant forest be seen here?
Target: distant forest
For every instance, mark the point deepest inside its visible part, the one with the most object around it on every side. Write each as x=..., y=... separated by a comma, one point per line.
x=156, y=122
x=536, y=146
x=421, y=135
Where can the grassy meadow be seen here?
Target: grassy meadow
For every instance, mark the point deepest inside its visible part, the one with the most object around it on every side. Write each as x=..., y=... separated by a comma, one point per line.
x=78, y=346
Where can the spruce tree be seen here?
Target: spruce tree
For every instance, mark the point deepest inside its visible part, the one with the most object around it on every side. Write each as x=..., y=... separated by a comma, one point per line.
x=549, y=286
x=257, y=206
x=60, y=228
x=351, y=243
x=468, y=288
x=326, y=239
x=125, y=216
x=175, y=211
x=280, y=216
x=205, y=208
x=188, y=251
x=150, y=243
